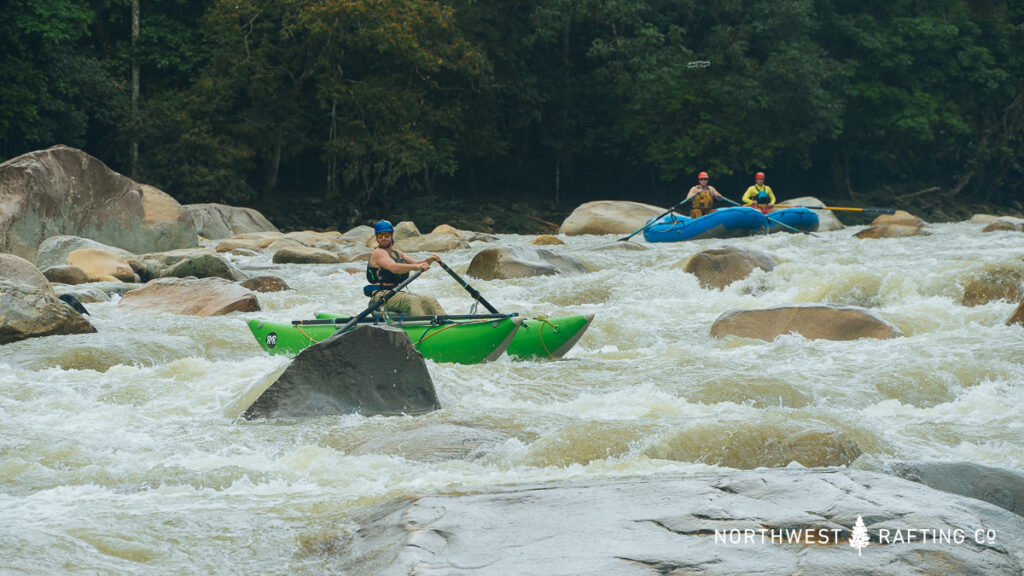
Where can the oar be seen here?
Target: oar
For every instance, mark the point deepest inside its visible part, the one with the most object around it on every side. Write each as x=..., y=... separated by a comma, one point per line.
x=783, y=224
x=472, y=291
x=383, y=300
x=864, y=210
x=670, y=210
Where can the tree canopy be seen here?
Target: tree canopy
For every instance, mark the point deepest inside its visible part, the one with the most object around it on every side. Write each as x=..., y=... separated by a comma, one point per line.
x=362, y=104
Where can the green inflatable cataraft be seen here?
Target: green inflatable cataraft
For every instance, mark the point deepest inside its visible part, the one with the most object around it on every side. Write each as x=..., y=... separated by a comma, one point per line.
x=460, y=339
x=538, y=337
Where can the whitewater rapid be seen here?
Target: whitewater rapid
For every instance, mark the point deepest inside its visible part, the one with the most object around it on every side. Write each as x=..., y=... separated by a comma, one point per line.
x=121, y=452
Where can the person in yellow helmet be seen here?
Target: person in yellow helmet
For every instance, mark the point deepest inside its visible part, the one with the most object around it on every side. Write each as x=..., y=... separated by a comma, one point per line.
x=704, y=197
x=759, y=195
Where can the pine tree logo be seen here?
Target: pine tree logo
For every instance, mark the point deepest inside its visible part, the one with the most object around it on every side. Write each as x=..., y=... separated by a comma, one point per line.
x=860, y=537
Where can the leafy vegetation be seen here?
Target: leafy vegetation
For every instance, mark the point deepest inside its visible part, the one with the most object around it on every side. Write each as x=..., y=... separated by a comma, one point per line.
x=355, y=109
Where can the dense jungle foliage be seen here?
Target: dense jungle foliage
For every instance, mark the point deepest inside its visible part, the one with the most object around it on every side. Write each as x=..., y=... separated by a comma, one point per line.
x=352, y=109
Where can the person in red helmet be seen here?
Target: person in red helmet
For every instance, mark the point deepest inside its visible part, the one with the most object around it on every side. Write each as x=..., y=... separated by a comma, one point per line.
x=760, y=195
x=704, y=196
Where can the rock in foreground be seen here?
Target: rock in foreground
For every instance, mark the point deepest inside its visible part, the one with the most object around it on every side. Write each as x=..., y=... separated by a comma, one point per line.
x=808, y=320
x=714, y=524
x=372, y=370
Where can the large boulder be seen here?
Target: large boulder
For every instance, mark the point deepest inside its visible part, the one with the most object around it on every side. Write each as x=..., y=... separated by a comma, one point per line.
x=266, y=284
x=191, y=296
x=768, y=521
x=433, y=242
x=511, y=261
x=900, y=224
x=827, y=220
x=218, y=221
x=197, y=262
x=21, y=271
x=719, y=267
x=62, y=190
x=608, y=217
x=1004, y=488
x=372, y=370
x=304, y=255
x=813, y=321
x=995, y=282
x=102, y=266
x=54, y=251
x=27, y=312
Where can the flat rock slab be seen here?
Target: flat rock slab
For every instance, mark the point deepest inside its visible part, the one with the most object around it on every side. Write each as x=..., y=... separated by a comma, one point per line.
x=692, y=525
x=372, y=370
x=808, y=320
x=1004, y=488
x=191, y=296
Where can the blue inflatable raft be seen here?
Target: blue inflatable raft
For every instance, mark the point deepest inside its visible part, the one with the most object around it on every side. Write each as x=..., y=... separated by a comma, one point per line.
x=730, y=223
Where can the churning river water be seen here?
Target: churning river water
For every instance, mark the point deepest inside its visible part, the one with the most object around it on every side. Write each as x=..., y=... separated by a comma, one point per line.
x=123, y=452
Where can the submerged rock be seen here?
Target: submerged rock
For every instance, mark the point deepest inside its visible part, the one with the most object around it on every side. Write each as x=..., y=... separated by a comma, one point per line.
x=266, y=284
x=372, y=370
x=775, y=521
x=27, y=312
x=808, y=320
x=996, y=282
x=608, y=217
x=719, y=267
x=506, y=262
x=435, y=443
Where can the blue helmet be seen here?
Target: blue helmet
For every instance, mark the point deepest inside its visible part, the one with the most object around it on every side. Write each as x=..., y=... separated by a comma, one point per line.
x=383, y=226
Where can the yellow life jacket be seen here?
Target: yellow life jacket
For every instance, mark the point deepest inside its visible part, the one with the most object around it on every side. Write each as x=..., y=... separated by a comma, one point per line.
x=703, y=203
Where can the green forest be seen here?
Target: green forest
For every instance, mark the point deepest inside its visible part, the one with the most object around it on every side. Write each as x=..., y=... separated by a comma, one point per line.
x=336, y=112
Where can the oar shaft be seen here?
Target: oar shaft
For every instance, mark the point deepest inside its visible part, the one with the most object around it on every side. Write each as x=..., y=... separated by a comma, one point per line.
x=472, y=291
x=380, y=302
x=865, y=210
x=656, y=218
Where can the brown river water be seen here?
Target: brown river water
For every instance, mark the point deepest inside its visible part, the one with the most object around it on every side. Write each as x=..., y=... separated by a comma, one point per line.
x=122, y=452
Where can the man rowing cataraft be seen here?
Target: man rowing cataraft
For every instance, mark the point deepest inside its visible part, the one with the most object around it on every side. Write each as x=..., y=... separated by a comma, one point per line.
x=389, y=267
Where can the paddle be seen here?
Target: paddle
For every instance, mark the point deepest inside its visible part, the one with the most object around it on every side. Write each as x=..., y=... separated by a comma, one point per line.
x=864, y=210
x=670, y=210
x=766, y=217
x=472, y=291
x=439, y=319
x=378, y=303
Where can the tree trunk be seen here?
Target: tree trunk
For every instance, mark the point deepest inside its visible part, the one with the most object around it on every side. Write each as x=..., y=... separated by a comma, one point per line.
x=134, y=153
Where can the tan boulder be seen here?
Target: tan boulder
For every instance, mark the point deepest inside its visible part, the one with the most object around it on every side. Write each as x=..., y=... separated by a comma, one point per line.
x=719, y=267
x=505, y=262
x=219, y=221
x=892, y=231
x=304, y=255
x=827, y=220
x=432, y=243
x=266, y=284
x=812, y=321
x=982, y=218
x=20, y=271
x=359, y=234
x=354, y=253
x=608, y=217
x=29, y=312
x=198, y=262
x=67, y=274
x=191, y=296
x=102, y=266
x=232, y=244
x=996, y=282
x=547, y=240
x=64, y=191
x=1008, y=223
x=899, y=218
x=55, y=249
